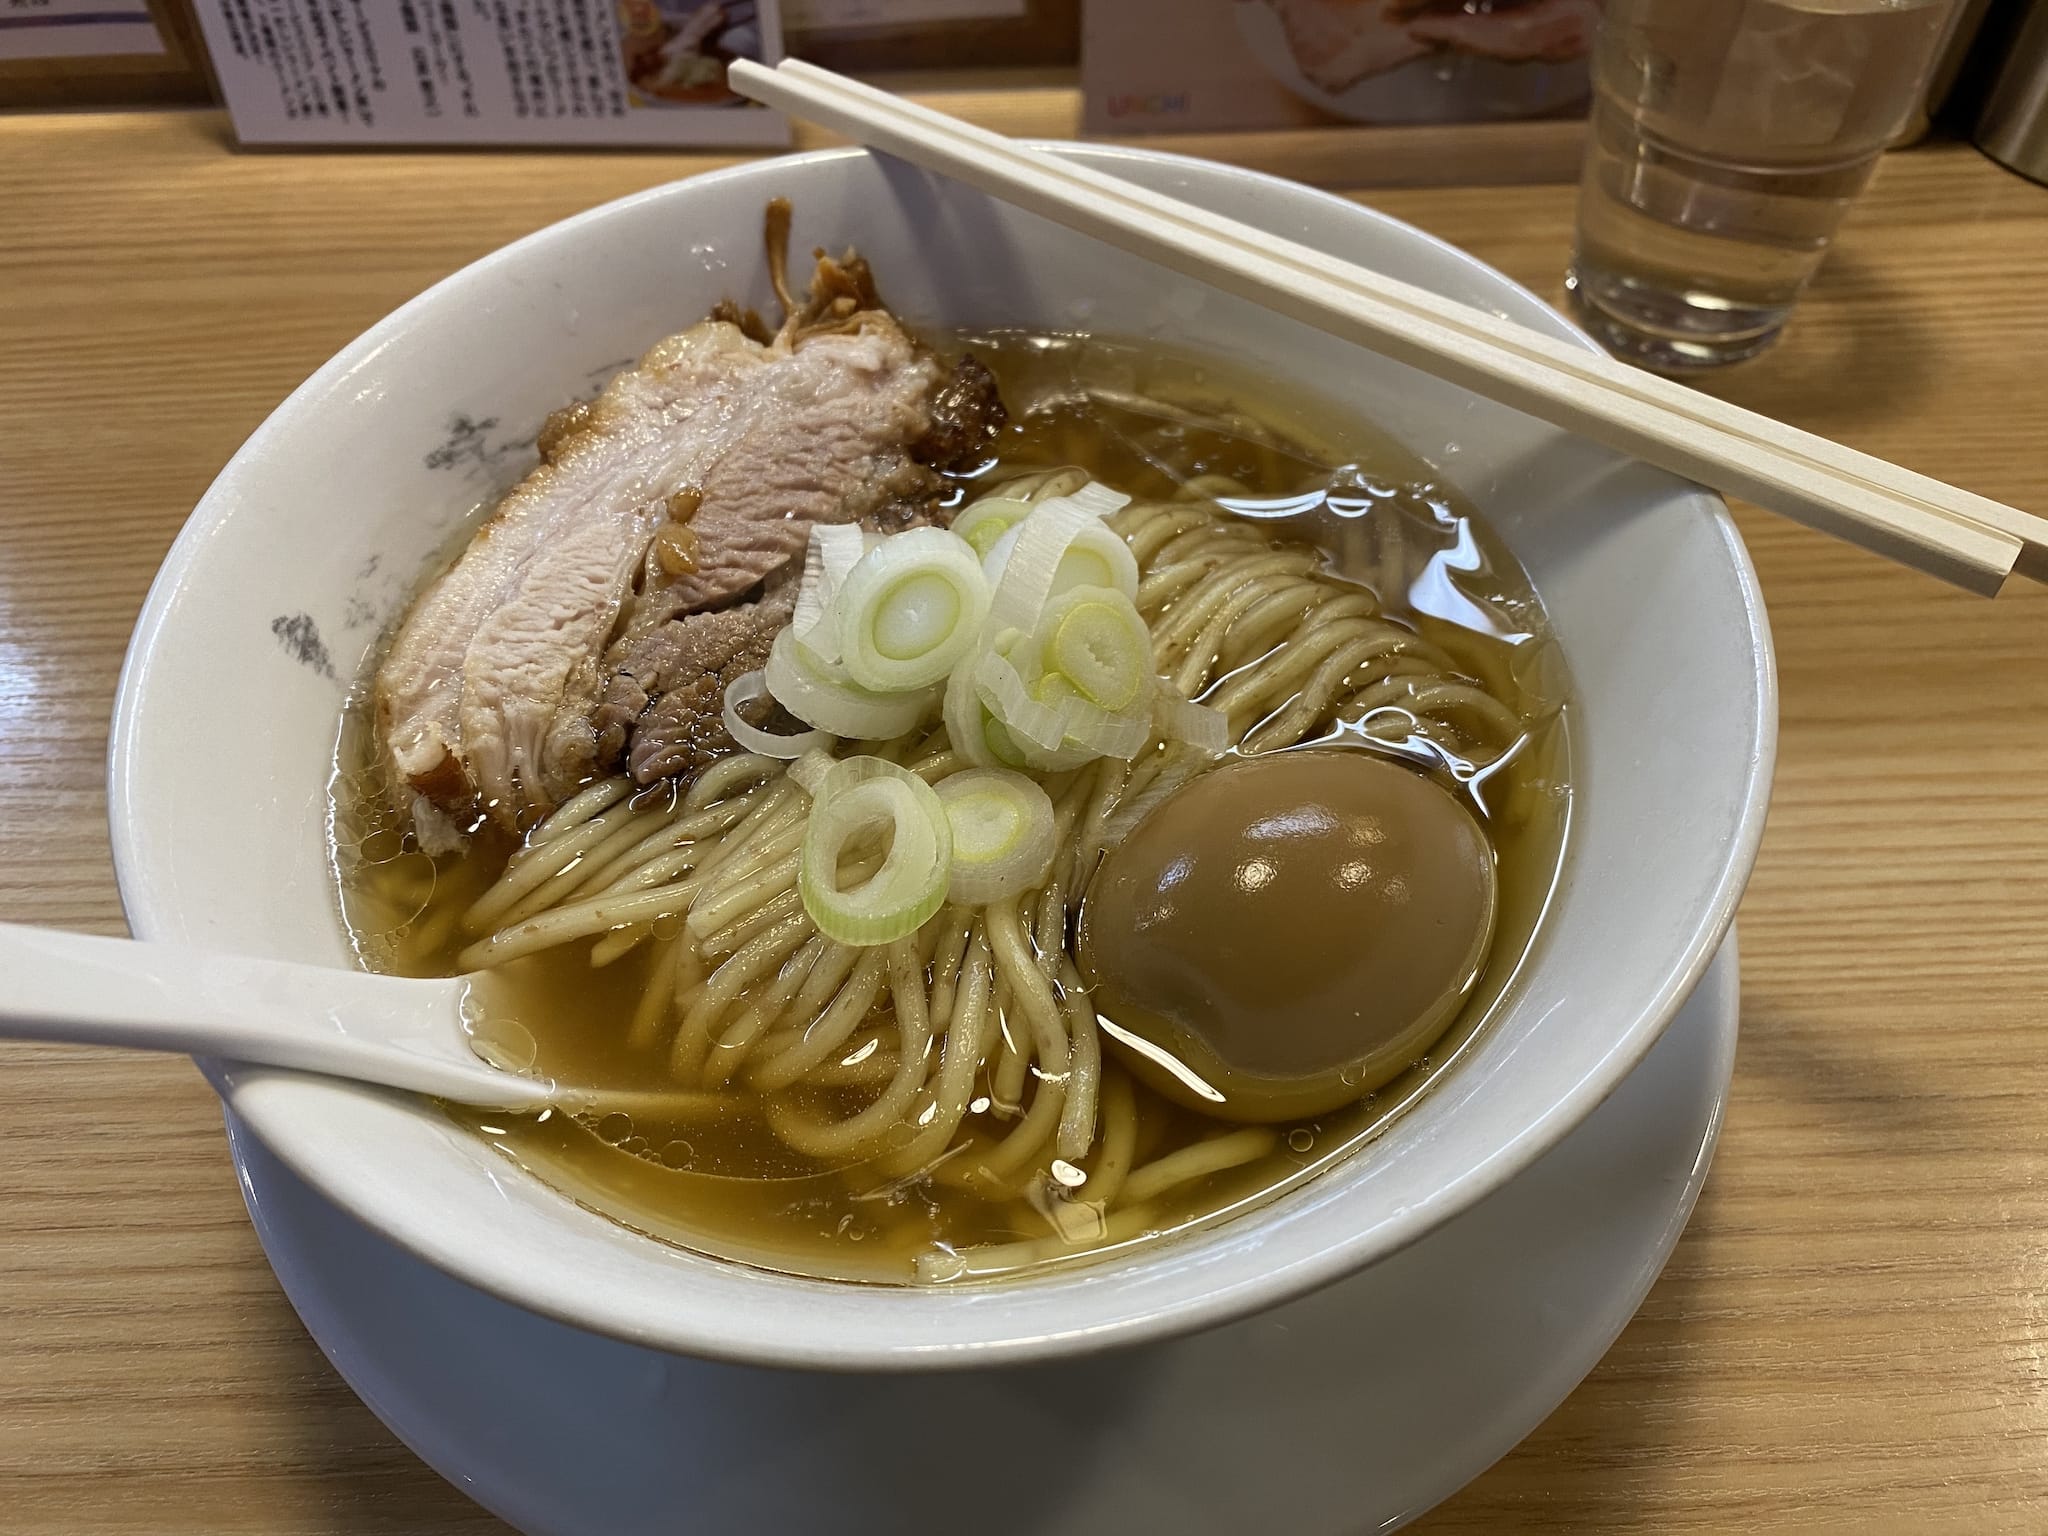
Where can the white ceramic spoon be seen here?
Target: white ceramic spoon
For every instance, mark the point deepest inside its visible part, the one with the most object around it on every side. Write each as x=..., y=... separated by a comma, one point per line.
x=389, y=1030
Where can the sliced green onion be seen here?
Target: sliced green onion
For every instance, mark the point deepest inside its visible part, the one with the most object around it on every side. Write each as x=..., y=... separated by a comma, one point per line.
x=1007, y=693
x=975, y=733
x=1095, y=557
x=1015, y=753
x=865, y=795
x=984, y=740
x=811, y=591
x=748, y=688
x=1206, y=730
x=1095, y=638
x=1106, y=735
x=1024, y=611
x=1099, y=558
x=1072, y=755
x=809, y=770
x=842, y=544
x=1098, y=498
x=821, y=694
x=1024, y=565
x=834, y=550
x=909, y=609
x=1053, y=727
x=1002, y=825
x=989, y=519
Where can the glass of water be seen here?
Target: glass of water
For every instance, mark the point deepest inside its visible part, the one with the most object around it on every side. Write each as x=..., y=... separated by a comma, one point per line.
x=1728, y=138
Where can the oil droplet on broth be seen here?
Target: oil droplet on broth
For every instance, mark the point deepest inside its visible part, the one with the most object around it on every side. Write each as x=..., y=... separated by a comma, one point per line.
x=506, y=1044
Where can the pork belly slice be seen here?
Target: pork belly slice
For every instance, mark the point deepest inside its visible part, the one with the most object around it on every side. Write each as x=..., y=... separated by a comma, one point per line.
x=662, y=713
x=600, y=612
x=835, y=407
x=485, y=698
x=667, y=694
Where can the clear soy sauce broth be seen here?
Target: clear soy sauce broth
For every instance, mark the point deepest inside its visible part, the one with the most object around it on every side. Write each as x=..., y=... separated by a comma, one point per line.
x=1147, y=421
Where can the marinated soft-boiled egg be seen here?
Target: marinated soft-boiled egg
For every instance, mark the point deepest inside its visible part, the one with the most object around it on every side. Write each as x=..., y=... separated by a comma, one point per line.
x=1288, y=932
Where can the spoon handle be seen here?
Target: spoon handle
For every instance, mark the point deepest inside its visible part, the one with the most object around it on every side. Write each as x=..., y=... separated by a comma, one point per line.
x=392, y=1031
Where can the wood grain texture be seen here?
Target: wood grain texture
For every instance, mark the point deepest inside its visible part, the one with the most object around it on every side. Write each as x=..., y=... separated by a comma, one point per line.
x=1852, y=1335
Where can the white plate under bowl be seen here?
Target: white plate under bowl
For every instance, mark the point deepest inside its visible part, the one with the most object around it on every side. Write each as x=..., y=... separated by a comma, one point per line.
x=1353, y=1409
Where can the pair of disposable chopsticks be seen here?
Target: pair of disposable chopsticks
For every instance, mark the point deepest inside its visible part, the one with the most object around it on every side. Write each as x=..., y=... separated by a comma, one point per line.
x=1911, y=518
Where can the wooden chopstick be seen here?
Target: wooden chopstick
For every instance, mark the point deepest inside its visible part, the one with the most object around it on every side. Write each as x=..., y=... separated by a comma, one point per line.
x=1963, y=538
x=1544, y=350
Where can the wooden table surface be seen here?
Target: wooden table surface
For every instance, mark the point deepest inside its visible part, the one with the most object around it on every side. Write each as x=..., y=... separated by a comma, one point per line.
x=1853, y=1335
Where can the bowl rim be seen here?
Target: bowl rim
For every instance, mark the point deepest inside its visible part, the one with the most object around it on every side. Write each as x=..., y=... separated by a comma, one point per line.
x=147, y=909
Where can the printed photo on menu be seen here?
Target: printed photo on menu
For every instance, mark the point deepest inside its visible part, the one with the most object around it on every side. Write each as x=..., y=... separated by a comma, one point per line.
x=675, y=53
x=529, y=72
x=1165, y=66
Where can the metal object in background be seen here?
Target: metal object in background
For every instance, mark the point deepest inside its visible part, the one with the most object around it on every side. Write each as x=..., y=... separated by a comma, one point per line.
x=1963, y=34
x=2013, y=127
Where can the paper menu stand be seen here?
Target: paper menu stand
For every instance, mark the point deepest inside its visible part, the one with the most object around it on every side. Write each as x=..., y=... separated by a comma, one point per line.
x=492, y=72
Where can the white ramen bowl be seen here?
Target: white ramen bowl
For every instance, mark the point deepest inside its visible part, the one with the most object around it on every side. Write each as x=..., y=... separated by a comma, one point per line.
x=312, y=539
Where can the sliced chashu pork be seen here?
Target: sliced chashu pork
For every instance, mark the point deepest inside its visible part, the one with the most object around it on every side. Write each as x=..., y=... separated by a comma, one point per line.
x=657, y=716
x=669, y=698
x=485, y=698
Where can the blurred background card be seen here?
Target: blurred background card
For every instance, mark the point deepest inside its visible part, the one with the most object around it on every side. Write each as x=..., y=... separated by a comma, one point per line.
x=848, y=15
x=1164, y=66
x=66, y=29
x=587, y=72
x=893, y=36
